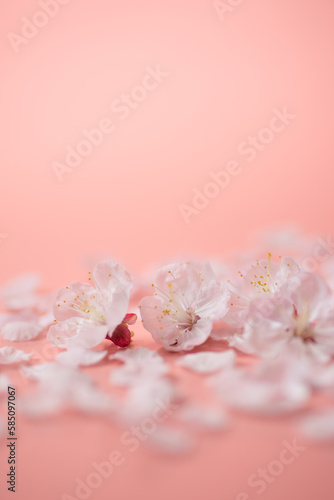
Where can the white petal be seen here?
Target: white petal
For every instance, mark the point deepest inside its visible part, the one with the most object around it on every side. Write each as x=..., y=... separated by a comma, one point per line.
x=170, y=440
x=10, y=355
x=80, y=356
x=114, y=284
x=318, y=426
x=208, y=362
x=144, y=399
x=202, y=417
x=41, y=404
x=4, y=384
x=140, y=364
x=77, y=332
x=269, y=388
x=61, y=387
x=20, y=292
x=20, y=331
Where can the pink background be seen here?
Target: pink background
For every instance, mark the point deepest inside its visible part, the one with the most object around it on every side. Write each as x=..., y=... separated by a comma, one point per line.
x=225, y=78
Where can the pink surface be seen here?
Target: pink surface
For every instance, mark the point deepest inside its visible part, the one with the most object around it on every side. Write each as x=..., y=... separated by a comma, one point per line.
x=227, y=80
x=53, y=453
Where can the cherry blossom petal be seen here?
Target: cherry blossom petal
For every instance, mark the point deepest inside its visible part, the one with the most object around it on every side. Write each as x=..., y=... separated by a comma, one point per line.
x=130, y=319
x=10, y=355
x=114, y=284
x=318, y=426
x=324, y=332
x=26, y=315
x=139, y=364
x=77, y=332
x=188, y=339
x=181, y=313
x=80, y=356
x=61, y=387
x=19, y=293
x=208, y=362
x=272, y=388
x=72, y=299
x=20, y=331
x=312, y=293
x=171, y=441
x=183, y=278
x=151, y=309
x=4, y=384
x=202, y=417
x=148, y=398
x=263, y=279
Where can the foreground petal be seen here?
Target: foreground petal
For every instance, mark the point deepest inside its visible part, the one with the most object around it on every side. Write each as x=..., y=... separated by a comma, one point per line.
x=80, y=356
x=77, y=332
x=318, y=426
x=208, y=362
x=20, y=331
x=10, y=355
x=139, y=365
x=114, y=285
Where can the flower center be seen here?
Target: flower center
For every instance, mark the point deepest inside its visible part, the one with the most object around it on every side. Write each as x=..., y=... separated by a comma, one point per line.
x=302, y=328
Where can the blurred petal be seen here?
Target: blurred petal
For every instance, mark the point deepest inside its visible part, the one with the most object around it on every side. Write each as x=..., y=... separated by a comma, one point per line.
x=139, y=364
x=208, y=362
x=80, y=356
x=77, y=332
x=10, y=355
x=318, y=426
x=20, y=331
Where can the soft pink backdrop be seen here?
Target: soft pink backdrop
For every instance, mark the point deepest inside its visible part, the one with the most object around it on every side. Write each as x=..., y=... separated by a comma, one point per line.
x=225, y=77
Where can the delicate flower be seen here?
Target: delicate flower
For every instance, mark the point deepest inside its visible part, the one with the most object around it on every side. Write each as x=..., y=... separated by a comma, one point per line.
x=87, y=315
x=265, y=278
x=300, y=319
x=185, y=304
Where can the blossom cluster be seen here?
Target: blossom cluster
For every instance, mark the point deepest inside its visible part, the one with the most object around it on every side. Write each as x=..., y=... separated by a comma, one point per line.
x=272, y=310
